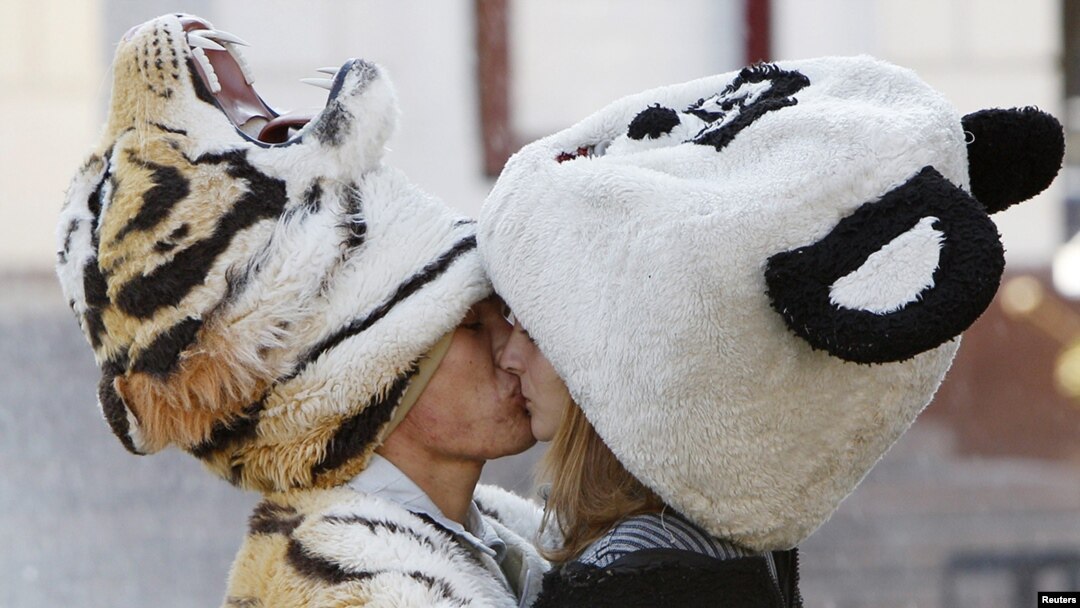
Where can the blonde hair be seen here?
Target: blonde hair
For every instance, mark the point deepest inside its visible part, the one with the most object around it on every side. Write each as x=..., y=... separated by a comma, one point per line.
x=591, y=490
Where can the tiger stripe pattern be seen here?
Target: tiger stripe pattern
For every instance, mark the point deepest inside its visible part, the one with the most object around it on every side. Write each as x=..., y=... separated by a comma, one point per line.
x=322, y=547
x=254, y=303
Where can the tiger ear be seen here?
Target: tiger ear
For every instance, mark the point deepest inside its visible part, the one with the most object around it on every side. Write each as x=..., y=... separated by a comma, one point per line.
x=1013, y=154
x=898, y=277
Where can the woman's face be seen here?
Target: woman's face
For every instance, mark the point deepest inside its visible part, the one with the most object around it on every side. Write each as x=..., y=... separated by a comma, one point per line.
x=546, y=396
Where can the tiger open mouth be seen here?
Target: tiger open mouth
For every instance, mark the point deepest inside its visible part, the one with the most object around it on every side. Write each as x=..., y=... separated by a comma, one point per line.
x=228, y=77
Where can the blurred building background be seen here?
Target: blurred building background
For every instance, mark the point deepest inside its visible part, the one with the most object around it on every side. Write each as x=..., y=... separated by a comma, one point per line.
x=979, y=504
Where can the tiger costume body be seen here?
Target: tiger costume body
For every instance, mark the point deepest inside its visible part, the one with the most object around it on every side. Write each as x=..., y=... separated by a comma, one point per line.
x=339, y=547
x=263, y=302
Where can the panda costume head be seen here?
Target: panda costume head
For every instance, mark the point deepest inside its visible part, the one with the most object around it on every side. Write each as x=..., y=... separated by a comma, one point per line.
x=753, y=282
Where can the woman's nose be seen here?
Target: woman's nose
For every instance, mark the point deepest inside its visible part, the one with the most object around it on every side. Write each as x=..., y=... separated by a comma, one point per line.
x=511, y=358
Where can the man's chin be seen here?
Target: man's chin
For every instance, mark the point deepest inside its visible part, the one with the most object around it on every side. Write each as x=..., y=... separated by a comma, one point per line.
x=530, y=442
x=527, y=441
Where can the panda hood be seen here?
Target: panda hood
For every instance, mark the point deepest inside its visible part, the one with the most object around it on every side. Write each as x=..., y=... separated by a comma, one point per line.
x=753, y=282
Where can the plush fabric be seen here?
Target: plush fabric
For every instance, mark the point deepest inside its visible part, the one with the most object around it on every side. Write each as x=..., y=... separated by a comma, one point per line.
x=753, y=282
x=263, y=306
x=670, y=578
x=338, y=547
x=1013, y=154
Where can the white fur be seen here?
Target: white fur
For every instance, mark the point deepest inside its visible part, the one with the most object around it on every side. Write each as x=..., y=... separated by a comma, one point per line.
x=640, y=275
x=523, y=516
x=305, y=277
x=332, y=531
x=895, y=275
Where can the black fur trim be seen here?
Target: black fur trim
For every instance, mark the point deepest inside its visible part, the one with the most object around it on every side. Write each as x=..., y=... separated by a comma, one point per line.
x=112, y=405
x=180, y=232
x=169, y=283
x=226, y=434
x=313, y=197
x=663, y=578
x=339, y=78
x=355, y=225
x=237, y=279
x=270, y=518
x=328, y=572
x=223, y=435
x=170, y=187
x=469, y=555
x=95, y=292
x=652, y=122
x=357, y=432
x=785, y=83
x=969, y=269
x=427, y=274
x=95, y=288
x=61, y=256
x=378, y=525
x=201, y=91
x=172, y=242
x=320, y=568
x=161, y=356
x=1013, y=154
x=332, y=126
x=787, y=570
x=440, y=586
x=488, y=511
x=93, y=202
x=168, y=129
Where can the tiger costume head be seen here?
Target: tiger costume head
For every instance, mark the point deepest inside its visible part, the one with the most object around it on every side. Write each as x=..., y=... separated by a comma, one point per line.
x=258, y=289
x=778, y=263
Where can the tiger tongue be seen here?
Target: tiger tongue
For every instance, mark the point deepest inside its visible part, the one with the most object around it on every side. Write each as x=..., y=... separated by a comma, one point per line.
x=277, y=130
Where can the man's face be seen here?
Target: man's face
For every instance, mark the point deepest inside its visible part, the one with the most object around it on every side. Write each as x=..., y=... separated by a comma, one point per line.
x=471, y=409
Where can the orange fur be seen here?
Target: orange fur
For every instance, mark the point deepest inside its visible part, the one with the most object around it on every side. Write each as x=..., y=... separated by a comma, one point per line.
x=210, y=384
x=268, y=465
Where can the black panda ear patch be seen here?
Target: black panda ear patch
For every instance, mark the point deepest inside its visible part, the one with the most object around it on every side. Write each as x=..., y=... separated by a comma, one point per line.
x=896, y=278
x=653, y=122
x=1013, y=154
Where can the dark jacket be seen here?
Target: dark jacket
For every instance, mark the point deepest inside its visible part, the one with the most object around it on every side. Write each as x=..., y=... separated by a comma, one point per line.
x=661, y=578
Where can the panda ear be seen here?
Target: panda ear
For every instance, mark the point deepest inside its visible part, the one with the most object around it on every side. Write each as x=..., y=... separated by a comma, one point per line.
x=1013, y=154
x=898, y=277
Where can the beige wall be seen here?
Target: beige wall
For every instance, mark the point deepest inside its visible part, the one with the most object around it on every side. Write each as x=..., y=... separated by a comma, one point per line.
x=569, y=58
x=50, y=79
x=567, y=61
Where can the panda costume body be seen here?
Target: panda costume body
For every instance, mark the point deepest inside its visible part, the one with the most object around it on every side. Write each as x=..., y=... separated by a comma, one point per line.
x=751, y=284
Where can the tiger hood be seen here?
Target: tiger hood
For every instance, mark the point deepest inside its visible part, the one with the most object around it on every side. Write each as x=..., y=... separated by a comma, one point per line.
x=753, y=282
x=257, y=291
